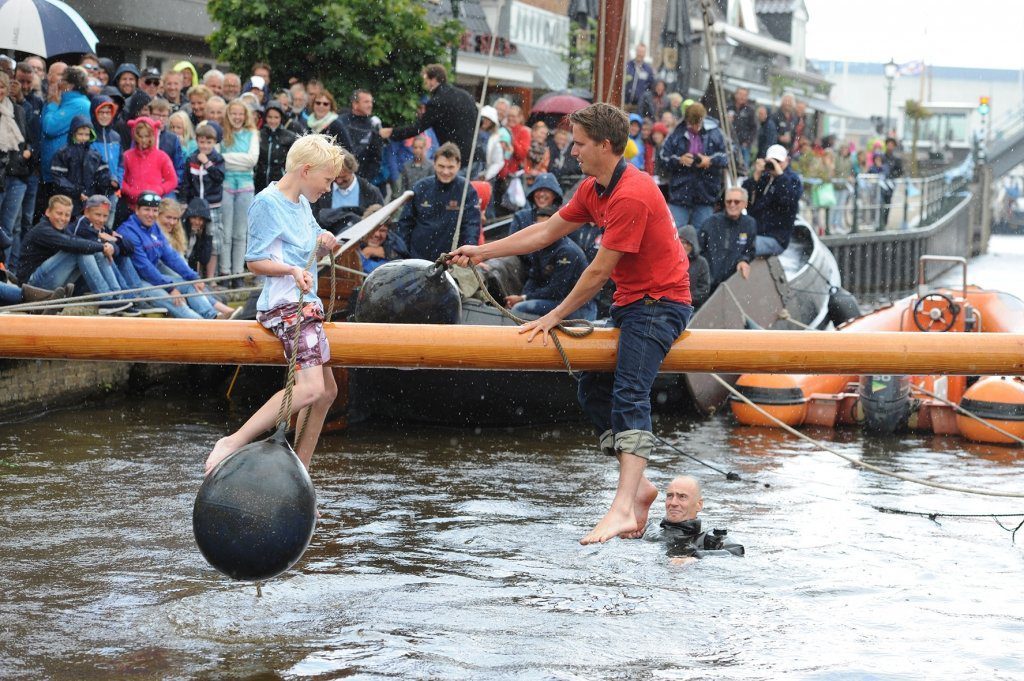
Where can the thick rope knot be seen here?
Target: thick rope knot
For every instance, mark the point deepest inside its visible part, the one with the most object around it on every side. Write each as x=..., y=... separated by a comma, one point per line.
x=574, y=328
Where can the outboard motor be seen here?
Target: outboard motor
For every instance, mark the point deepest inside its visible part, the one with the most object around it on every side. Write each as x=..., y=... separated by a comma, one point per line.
x=886, y=403
x=842, y=306
x=409, y=292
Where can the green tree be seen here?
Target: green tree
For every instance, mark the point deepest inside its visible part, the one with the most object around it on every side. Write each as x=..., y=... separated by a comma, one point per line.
x=380, y=45
x=916, y=112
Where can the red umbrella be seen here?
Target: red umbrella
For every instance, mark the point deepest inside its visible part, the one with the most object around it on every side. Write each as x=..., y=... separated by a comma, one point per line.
x=559, y=103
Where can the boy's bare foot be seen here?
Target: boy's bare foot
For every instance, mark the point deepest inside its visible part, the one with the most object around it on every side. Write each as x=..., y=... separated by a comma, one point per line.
x=224, y=448
x=645, y=495
x=613, y=524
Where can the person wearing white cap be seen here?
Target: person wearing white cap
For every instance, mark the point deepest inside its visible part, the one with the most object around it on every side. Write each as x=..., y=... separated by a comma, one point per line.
x=775, y=192
x=495, y=159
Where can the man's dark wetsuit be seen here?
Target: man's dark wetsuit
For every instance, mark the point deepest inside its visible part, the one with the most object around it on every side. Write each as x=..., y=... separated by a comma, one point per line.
x=686, y=539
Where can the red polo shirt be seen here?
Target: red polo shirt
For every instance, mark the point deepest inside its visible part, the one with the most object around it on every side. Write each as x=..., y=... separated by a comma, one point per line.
x=636, y=221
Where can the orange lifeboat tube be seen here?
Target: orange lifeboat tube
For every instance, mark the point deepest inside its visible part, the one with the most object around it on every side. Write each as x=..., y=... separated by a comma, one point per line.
x=827, y=400
x=1000, y=401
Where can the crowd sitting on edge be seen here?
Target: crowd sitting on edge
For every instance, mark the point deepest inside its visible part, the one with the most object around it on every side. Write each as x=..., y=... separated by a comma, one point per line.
x=170, y=162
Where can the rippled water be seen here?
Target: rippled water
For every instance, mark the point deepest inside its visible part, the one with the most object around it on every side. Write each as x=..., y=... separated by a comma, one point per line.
x=453, y=554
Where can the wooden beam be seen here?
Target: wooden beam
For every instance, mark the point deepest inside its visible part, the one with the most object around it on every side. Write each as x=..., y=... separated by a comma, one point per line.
x=503, y=348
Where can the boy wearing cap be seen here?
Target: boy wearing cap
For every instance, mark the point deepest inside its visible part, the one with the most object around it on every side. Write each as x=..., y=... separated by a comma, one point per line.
x=158, y=264
x=283, y=236
x=775, y=192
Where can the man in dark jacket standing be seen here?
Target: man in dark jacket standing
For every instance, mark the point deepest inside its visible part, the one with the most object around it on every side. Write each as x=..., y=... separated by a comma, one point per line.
x=451, y=112
x=430, y=218
x=744, y=122
x=727, y=239
x=365, y=133
x=775, y=192
x=767, y=133
x=695, y=155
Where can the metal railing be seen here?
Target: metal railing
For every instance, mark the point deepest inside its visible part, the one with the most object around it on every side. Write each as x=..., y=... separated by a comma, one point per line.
x=874, y=203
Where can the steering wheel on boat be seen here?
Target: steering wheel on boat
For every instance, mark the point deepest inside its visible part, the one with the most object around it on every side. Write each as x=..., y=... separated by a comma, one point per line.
x=939, y=318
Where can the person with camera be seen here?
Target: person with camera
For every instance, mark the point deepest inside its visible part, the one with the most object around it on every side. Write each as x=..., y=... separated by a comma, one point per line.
x=774, y=191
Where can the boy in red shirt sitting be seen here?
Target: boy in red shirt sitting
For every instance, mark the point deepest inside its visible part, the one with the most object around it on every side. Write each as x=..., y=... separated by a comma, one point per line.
x=641, y=252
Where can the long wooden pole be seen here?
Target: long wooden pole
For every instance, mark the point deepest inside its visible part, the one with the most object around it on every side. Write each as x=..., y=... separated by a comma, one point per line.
x=503, y=348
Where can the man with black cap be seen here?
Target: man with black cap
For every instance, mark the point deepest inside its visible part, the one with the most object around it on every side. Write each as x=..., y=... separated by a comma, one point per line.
x=150, y=82
x=158, y=264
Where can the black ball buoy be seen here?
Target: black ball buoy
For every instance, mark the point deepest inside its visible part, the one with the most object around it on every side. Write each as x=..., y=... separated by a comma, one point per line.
x=409, y=292
x=256, y=511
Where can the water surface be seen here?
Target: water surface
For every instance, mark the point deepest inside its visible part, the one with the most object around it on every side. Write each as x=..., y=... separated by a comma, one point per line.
x=453, y=554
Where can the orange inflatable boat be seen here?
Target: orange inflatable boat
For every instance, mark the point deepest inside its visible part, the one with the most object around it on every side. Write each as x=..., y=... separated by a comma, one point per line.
x=887, y=404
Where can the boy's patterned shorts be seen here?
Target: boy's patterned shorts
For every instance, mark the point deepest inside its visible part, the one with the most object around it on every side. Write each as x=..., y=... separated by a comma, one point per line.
x=281, y=321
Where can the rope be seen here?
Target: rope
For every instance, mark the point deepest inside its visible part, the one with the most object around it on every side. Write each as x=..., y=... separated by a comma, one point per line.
x=728, y=475
x=786, y=316
x=969, y=414
x=98, y=296
x=574, y=328
x=782, y=314
x=59, y=304
x=472, y=150
x=856, y=462
x=285, y=411
x=932, y=516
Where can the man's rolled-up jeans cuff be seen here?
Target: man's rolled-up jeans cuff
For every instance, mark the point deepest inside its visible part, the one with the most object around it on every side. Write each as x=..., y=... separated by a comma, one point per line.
x=607, y=442
x=636, y=442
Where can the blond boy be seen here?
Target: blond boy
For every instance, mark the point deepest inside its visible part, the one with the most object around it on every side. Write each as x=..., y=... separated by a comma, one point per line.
x=282, y=237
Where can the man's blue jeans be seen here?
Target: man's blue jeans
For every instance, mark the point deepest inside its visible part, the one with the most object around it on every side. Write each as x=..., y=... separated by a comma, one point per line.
x=766, y=245
x=619, y=404
x=9, y=294
x=540, y=307
x=28, y=209
x=10, y=212
x=690, y=215
x=63, y=267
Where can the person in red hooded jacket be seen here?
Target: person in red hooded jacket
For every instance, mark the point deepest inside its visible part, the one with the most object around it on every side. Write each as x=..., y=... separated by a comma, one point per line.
x=146, y=167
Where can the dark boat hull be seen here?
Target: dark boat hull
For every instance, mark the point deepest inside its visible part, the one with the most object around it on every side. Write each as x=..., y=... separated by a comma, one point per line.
x=796, y=284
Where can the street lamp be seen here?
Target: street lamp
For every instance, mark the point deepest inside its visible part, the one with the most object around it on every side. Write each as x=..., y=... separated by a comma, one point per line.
x=890, y=69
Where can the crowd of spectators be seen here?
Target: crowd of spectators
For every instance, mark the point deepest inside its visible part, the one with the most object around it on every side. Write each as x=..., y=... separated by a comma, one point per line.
x=117, y=178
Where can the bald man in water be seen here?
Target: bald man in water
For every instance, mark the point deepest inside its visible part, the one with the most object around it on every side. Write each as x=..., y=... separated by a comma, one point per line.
x=681, y=527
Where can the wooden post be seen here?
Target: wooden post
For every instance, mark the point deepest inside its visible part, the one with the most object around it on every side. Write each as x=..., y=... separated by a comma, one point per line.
x=612, y=34
x=425, y=346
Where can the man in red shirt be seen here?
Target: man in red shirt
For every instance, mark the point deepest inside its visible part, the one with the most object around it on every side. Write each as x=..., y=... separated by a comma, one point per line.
x=641, y=252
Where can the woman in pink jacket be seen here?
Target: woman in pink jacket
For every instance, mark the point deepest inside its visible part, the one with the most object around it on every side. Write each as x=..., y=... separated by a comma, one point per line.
x=146, y=168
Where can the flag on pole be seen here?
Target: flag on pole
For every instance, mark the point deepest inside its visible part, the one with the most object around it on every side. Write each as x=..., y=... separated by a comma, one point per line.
x=912, y=68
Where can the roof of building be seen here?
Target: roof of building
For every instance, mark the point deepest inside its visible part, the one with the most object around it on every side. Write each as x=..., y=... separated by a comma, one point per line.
x=777, y=6
x=832, y=68
x=471, y=14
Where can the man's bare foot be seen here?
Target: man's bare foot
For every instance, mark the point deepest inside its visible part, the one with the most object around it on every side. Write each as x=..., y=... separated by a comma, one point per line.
x=613, y=524
x=646, y=493
x=224, y=448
